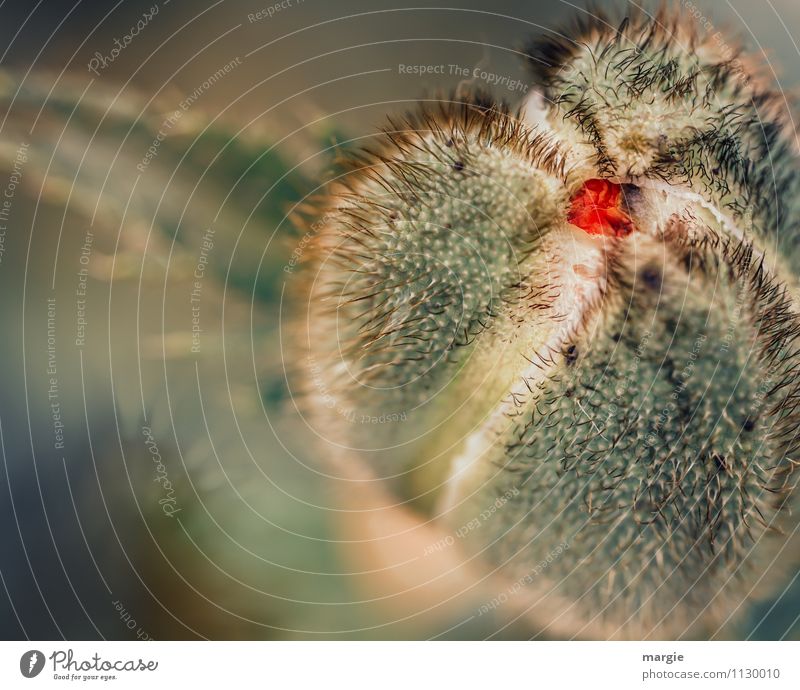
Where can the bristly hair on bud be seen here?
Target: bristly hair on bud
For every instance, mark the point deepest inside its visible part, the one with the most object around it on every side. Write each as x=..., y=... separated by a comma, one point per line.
x=585, y=313
x=654, y=99
x=426, y=233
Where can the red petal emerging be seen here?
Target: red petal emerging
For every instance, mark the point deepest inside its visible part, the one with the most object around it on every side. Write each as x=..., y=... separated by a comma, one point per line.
x=596, y=209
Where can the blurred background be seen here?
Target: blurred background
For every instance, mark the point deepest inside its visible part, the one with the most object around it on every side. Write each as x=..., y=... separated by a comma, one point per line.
x=156, y=479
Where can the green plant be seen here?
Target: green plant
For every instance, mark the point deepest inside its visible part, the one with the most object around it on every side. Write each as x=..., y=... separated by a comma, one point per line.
x=583, y=313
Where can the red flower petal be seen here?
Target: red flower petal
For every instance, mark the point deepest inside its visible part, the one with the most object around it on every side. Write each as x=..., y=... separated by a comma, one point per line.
x=595, y=208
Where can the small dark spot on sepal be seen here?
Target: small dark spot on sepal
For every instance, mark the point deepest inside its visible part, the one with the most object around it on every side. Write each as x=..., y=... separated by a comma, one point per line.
x=749, y=424
x=458, y=166
x=571, y=355
x=631, y=196
x=651, y=278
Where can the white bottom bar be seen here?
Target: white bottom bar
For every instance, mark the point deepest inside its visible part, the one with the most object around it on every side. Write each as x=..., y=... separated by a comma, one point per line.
x=402, y=665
